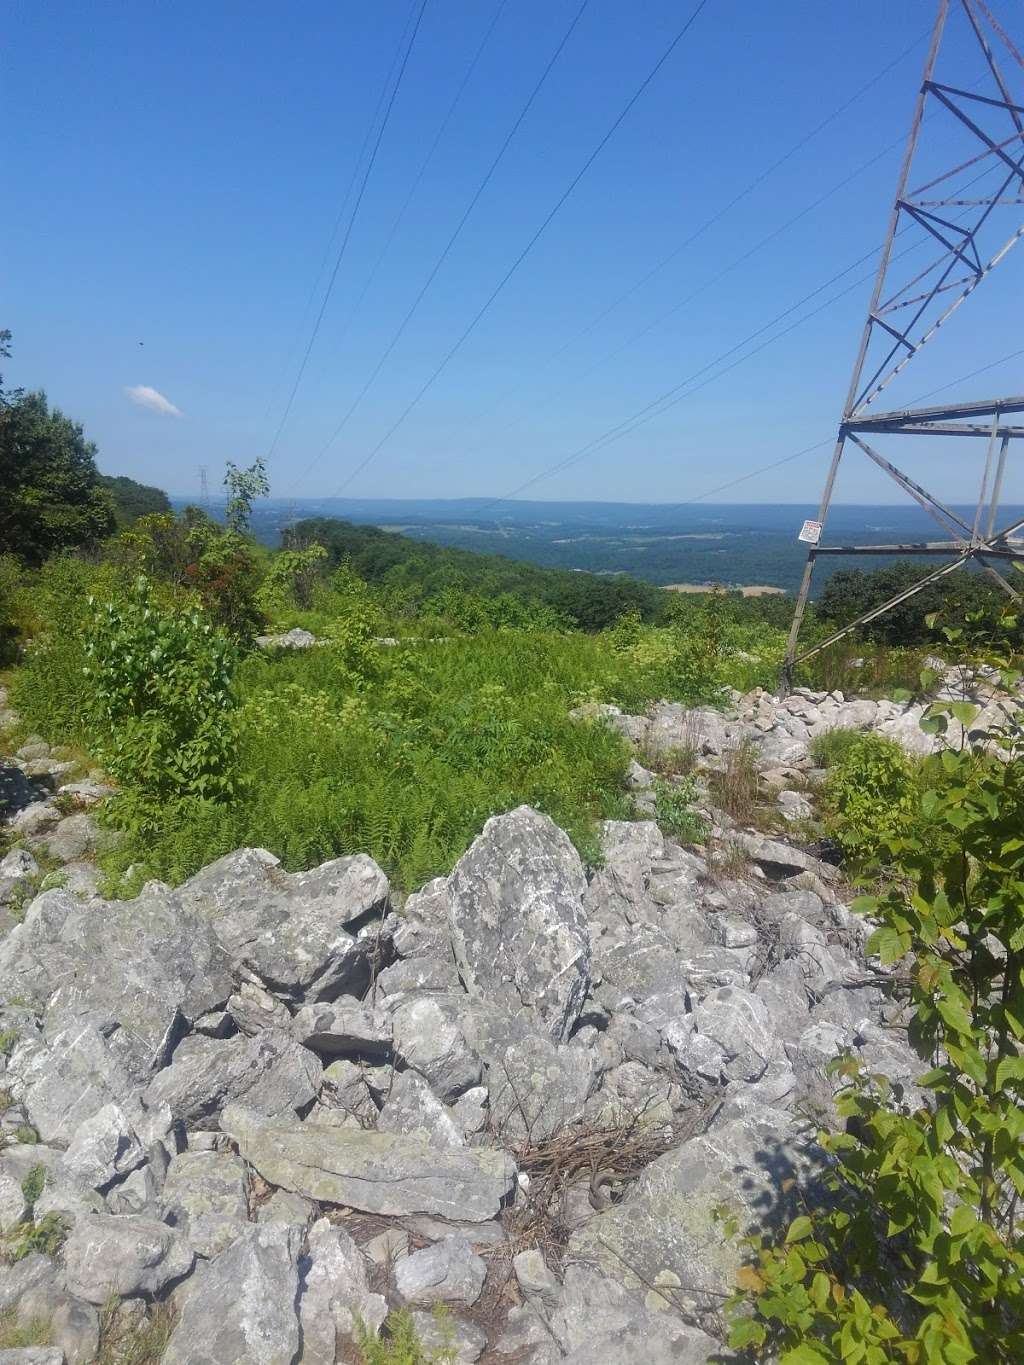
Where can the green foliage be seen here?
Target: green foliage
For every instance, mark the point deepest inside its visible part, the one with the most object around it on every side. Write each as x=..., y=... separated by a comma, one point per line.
x=52, y=496
x=8, y=1039
x=29, y=1238
x=401, y=1343
x=32, y=1187
x=404, y=752
x=47, y=688
x=851, y=592
x=871, y=795
x=292, y=578
x=918, y=1254
x=133, y=500
x=243, y=487
x=673, y=810
x=435, y=580
x=861, y=668
x=833, y=746
x=10, y=582
x=162, y=703
x=128, y=1337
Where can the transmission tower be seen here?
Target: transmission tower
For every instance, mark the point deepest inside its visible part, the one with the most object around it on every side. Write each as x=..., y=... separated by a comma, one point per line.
x=204, y=489
x=910, y=306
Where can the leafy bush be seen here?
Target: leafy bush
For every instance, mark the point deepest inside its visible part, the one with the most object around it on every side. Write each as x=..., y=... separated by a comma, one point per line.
x=871, y=795
x=918, y=1254
x=161, y=700
x=673, y=810
x=833, y=746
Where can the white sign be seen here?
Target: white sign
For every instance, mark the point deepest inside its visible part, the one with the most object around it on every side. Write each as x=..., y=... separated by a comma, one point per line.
x=810, y=532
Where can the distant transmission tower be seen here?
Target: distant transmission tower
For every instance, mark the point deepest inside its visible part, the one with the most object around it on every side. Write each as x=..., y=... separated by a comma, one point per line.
x=909, y=306
x=204, y=489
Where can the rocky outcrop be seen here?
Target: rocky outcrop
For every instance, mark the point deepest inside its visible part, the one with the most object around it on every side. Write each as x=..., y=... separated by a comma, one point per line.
x=287, y=1102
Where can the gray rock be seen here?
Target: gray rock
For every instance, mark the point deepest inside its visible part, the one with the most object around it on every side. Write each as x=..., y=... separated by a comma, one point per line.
x=471, y=1110
x=206, y=1197
x=285, y=1207
x=31, y=1291
x=336, y=1297
x=347, y=1092
x=73, y=838
x=419, y=974
x=33, y=819
x=12, y=1201
x=32, y=1355
x=128, y=1256
x=73, y=1078
x=618, y=892
x=413, y=1110
x=463, y=1341
x=447, y=1272
x=296, y=933
x=270, y=1072
x=777, y=859
x=18, y=870
x=518, y=927
x=428, y=1038
x=146, y=968
x=740, y=1024
x=643, y=962
x=137, y=1193
x=537, y=1283
x=243, y=1309
x=373, y=1172
x=667, y=1225
x=296, y=638
x=599, y=1322
x=344, y=1028
x=104, y=1148
x=254, y=1009
x=537, y=1087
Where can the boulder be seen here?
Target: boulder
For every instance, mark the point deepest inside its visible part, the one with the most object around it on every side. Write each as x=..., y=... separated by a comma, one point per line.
x=428, y=1038
x=373, y=1172
x=739, y=1022
x=242, y=1311
x=413, y=1110
x=599, y=1322
x=270, y=1072
x=447, y=1272
x=104, y=1148
x=130, y=1256
x=297, y=933
x=667, y=1230
x=32, y=1291
x=336, y=1299
x=344, y=1028
x=206, y=1197
x=517, y=921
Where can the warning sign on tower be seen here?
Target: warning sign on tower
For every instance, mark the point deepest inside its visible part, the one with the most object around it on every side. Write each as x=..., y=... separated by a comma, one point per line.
x=810, y=532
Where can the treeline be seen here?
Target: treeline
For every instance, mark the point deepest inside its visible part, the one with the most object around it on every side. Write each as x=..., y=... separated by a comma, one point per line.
x=425, y=574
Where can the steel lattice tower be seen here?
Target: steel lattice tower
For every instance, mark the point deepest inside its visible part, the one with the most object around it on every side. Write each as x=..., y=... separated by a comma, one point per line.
x=910, y=306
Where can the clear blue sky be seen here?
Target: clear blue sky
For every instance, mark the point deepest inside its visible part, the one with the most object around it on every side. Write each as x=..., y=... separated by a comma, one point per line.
x=174, y=171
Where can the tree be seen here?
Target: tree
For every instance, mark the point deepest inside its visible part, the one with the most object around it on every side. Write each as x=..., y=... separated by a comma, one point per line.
x=133, y=500
x=52, y=498
x=851, y=592
x=244, y=485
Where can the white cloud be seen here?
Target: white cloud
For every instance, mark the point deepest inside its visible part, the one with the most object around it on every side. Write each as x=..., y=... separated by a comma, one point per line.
x=152, y=399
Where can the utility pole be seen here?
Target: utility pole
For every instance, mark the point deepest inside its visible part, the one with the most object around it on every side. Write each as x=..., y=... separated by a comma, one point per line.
x=909, y=307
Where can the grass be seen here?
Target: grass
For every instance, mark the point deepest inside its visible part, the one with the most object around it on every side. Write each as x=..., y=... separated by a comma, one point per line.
x=20, y=1336
x=400, y=1343
x=863, y=670
x=734, y=786
x=832, y=747
x=129, y=1339
x=673, y=810
x=407, y=758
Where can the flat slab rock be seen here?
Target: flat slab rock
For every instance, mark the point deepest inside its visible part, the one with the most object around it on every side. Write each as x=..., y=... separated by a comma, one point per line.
x=374, y=1172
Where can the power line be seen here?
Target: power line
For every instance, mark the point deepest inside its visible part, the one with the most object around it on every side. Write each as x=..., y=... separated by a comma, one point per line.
x=661, y=404
x=348, y=229
x=326, y=255
x=478, y=316
x=396, y=336
x=442, y=129
x=717, y=216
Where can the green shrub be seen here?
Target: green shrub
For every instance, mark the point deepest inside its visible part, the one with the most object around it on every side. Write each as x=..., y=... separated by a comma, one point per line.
x=871, y=796
x=673, y=810
x=18, y=1336
x=833, y=746
x=161, y=700
x=916, y=1255
x=30, y=1238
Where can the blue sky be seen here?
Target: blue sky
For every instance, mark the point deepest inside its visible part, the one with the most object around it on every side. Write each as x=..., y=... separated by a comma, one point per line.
x=174, y=174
